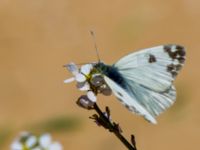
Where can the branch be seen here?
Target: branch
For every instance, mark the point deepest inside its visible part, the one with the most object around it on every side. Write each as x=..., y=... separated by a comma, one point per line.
x=104, y=120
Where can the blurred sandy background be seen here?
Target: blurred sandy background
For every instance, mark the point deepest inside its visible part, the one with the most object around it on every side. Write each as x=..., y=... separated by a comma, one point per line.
x=37, y=37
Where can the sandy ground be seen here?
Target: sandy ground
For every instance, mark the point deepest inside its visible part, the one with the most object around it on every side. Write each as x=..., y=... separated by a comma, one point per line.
x=38, y=37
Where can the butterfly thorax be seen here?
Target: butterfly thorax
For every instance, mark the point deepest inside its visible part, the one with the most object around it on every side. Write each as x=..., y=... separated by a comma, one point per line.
x=111, y=72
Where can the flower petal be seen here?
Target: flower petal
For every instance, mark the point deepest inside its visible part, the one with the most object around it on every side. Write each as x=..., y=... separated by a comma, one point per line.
x=80, y=77
x=72, y=68
x=69, y=80
x=45, y=140
x=55, y=146
x=85, y=69
x=83, y=86
x=91, y=96
x=31, y=141
x=16, y=145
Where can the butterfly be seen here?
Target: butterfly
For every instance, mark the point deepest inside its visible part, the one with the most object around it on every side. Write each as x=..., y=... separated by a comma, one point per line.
x=143, y=81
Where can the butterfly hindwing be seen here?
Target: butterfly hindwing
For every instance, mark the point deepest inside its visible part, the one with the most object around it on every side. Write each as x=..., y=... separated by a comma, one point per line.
x=154, y=68
x=129, y=101
x=154, y=102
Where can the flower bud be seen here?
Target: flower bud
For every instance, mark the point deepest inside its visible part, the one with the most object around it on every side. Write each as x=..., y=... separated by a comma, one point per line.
x=105, y=90
x=97, y=80
x=85, y=102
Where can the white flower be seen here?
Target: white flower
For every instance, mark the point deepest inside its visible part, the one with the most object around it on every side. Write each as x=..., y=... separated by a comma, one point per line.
x=31, y=142
x=88, y=79
x=19, y=144
x=55, y=146
x=45, y=140
x=46, y=143
x=69, y=80
x=16, y=145
x=73, y=69
x=82, y=77
x=79, y=75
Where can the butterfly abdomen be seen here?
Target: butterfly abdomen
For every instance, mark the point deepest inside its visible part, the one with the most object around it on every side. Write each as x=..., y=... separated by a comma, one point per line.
x=111, y=72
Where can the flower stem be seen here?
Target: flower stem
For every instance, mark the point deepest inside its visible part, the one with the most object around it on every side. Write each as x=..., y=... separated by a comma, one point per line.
x=112, y=128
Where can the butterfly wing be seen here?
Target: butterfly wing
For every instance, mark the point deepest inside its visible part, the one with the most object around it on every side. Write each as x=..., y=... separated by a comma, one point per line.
x=153, y=68
x=129, y=101
x=154, y=102
x=147, y=79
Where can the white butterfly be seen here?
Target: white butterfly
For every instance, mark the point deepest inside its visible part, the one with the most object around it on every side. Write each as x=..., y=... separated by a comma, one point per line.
x=143, y=80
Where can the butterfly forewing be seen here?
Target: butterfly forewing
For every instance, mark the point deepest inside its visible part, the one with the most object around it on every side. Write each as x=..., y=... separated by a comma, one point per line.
x=154, y=68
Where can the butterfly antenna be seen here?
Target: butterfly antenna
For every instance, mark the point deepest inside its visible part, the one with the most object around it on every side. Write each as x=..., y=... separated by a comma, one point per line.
x=95, y=45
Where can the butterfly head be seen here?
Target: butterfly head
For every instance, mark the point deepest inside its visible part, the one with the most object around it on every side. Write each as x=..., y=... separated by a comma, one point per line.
x=100, y=67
